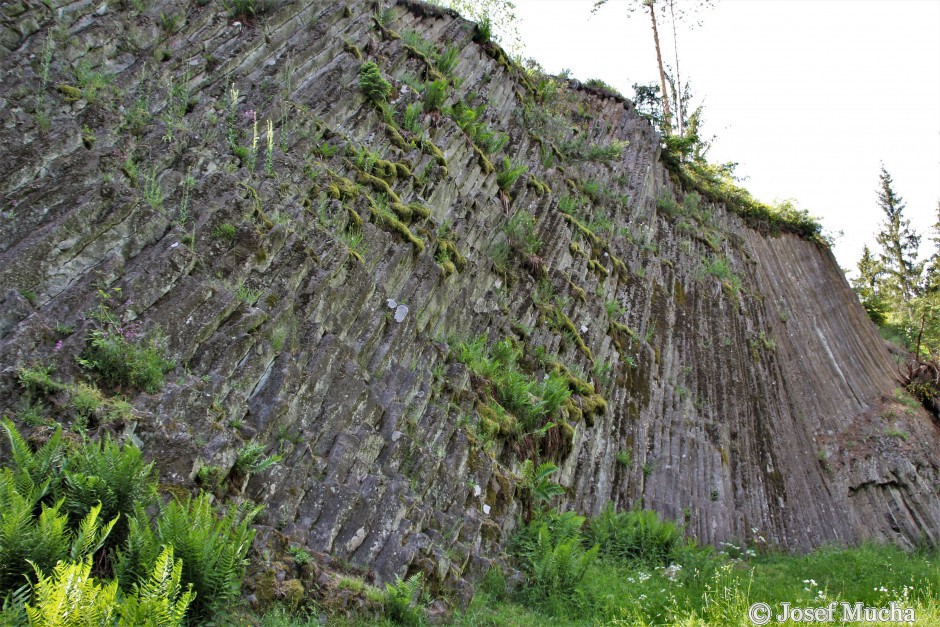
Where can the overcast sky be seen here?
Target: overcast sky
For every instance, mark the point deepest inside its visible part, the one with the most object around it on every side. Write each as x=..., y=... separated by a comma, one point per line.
x=809, y=96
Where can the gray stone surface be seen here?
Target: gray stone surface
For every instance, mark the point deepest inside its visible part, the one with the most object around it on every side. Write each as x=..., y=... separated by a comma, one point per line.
x=759, y=411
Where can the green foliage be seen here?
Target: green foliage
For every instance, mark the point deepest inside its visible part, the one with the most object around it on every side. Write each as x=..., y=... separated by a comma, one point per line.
x=252, y=460
x=717, y=183
x=633, y=535
x=29, y=541
x=113, y=475
x=120, y=360
x=625, y=458
x=411, y=120
x=212, y=548
x=703, y=587
x=526, y=398
x=552, y=555
x=63, y=505
x=243, y=9
x=434, y=93
x=375, y=88
x=582, y=150
x=37, y=380
x=599, y=84
x=521, y=232
x=403, y=599
x=89, y=81
x=484, y=31
x=71, y=596
x=446, y=61
x=225, y=232
x=159, y=600
x=719, y=268
x=568, y=205
x=509, y=173
x=300, y=555
x=484, y=138
x=537, y=487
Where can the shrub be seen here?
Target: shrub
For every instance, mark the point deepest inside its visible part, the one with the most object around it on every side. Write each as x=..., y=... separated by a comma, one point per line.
x=123, y=361
x=376, y=88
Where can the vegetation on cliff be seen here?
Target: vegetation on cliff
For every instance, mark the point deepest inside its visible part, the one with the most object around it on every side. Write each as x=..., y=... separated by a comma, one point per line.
x=212, y=225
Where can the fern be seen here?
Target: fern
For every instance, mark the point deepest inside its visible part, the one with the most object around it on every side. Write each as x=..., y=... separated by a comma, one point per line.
x=70, y=596
x=13, y=611
x=16, y=520
x=141, y=548
x=511, y=171
x=212, y=549
x=634, y=535
x=402, y=599
x=536, y=486
x=110, y=473
x=40, y=466
x=551, y=552
x=160, y=600
x=90, y=535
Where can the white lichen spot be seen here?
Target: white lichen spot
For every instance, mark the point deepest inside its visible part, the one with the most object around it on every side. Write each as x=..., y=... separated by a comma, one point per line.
x=400, y=312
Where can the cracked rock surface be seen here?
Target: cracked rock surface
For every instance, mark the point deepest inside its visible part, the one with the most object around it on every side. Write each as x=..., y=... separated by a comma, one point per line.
x=310, y=305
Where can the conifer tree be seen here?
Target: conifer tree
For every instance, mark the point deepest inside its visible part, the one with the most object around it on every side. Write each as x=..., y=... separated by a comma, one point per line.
x=932, y=273
x=866, y=285
x=899, y=244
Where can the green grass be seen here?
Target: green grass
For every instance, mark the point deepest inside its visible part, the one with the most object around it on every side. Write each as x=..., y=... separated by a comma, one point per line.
x=637, y=594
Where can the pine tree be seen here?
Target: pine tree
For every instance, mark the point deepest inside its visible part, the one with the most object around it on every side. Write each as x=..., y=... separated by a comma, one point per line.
x=899, y=244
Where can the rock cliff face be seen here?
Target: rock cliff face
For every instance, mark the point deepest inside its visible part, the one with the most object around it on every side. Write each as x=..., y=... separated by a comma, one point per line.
x=312, y=300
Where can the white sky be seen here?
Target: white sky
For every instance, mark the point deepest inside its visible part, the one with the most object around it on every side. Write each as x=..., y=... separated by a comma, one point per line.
x=809, y=96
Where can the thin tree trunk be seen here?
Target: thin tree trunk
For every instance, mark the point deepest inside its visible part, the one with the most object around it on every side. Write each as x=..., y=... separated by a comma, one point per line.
x=920, y=334
x=662, y=74
x=680, y=117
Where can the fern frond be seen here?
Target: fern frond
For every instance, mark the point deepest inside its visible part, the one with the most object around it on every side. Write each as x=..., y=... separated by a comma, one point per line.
x=70, y=596
x=90, y=535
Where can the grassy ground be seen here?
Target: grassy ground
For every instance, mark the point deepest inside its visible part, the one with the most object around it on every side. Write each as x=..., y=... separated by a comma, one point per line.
x=708, y=589
x=715, y=590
